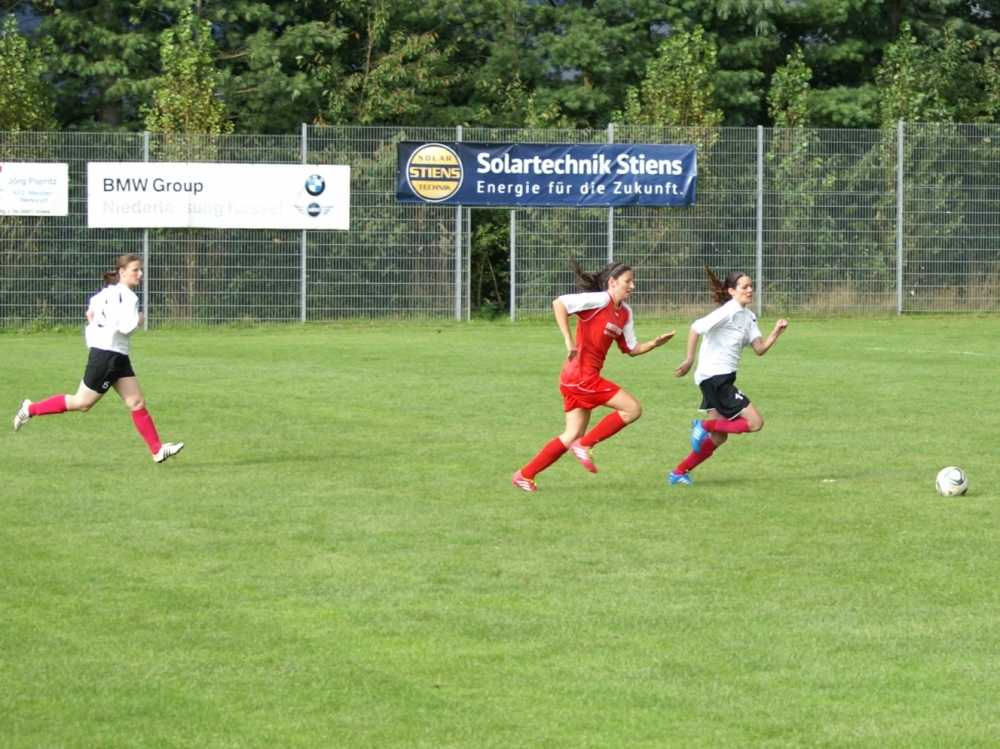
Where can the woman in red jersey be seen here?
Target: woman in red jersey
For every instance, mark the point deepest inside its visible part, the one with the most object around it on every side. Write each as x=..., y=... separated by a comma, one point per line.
x=603, y=318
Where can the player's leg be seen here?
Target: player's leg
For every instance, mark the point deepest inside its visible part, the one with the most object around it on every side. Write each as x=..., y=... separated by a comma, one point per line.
x=625, y=410
x=131, y=392
x=749, y=420
x=702, y=450
x=83, y=400
x=576, y=423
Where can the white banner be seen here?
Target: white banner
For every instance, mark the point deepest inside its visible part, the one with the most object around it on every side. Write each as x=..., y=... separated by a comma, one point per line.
x=146, y=195
x=34, y=189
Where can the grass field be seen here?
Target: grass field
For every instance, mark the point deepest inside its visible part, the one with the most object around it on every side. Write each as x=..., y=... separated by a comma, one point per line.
x=338, y=559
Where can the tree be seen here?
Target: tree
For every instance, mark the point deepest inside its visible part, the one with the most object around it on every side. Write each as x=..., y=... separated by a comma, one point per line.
x=910, y=83
x=379, y=65
x=678, y=88
x=185, y=97
x=25, y=102
x=105, y=55
x=787, y=101
x=844, y=43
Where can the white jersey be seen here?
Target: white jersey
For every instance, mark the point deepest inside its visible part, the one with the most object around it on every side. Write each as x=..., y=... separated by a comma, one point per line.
x=116, y=316
x=726, y=332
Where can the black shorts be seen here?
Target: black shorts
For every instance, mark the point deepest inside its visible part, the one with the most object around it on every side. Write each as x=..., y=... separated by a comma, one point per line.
x=720, y=392
x=105, y=368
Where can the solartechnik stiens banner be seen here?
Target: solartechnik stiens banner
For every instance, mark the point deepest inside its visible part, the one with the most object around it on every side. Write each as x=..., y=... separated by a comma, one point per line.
x=518, y=174
x=218, y=196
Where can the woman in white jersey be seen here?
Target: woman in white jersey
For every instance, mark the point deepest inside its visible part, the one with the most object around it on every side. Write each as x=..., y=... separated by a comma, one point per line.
x=603, y=319
x=727, y=330
x=112, y=316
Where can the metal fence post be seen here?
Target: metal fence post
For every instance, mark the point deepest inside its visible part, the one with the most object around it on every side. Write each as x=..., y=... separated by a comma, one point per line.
x=899, y=218
x=760, y=220
x=513, y=265
x=458, y=246
x=302, y=272
x=145, y=246
x=611, y=209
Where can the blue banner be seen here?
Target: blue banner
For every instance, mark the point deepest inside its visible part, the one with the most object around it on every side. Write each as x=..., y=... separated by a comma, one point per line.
x=516, y=174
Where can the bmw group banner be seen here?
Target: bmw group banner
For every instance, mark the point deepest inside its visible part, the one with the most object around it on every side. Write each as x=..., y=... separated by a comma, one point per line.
x=147, y=195
x=546, y=175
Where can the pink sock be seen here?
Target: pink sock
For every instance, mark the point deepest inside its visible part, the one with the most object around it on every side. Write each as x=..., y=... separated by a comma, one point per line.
x=549, y=455
x=54, y=405
x=734, y=426
x=607, y=427
x=144, y=424
x=707, y=447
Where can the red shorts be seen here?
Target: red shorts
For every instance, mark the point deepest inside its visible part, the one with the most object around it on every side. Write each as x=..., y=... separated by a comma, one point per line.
x=587, y=392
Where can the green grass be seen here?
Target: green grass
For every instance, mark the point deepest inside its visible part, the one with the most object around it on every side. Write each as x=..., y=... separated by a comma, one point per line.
x=338, y=559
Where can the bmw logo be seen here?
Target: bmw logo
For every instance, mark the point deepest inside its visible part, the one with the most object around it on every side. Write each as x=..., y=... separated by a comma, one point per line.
x=313, y=209
x=315, y=185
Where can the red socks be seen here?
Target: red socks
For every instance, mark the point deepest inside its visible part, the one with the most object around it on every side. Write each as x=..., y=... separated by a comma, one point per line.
x=707, y=447
x=549, y=455
x=734, y=426
x=54, y=405
x=144, y=424
x=607, y=427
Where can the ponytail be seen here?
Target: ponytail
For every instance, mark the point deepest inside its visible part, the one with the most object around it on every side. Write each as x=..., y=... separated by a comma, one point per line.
x=720, y=289
x=597, y=281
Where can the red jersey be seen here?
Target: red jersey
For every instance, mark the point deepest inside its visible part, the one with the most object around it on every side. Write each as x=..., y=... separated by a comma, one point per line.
x=599, y=325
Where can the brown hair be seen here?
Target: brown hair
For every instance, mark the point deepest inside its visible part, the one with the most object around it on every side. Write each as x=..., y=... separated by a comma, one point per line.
x=111, y=276
x=720, y=289
x=597, y=281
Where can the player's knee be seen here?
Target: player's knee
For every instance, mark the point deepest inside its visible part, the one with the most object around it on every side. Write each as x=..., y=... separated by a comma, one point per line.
x=756, y=424
x=632, y=414
x=78, y=406
x=135, y=402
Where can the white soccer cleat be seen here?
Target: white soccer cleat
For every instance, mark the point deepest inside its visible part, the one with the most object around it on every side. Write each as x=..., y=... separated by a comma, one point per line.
x=22, y=416
x=168, y=450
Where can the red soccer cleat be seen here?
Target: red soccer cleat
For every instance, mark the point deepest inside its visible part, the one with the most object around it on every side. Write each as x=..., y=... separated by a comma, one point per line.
x=522, y=483
x=583, y=455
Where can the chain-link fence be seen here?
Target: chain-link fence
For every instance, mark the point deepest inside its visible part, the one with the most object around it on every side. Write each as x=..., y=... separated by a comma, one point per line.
x=828, y=222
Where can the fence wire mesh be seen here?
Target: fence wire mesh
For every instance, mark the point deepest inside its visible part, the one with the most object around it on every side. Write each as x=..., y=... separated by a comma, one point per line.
x=815, y=216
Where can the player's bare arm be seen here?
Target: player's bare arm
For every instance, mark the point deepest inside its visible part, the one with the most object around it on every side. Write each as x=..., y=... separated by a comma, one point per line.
x=692, y=346
x=562, y=320
x=761, y=347
x=643, y=348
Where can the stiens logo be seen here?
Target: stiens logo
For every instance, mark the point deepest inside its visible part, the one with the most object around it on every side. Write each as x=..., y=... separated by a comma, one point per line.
x=434, y=172
x=315, y=185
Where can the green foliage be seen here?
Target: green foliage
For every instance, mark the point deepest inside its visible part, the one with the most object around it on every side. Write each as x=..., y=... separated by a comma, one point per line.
x=511, y=104
x=185, y=97
x=678, y=87
x=375, y=70
x=25, y=100
x=490, y=262
x=788, y=98
x=105, y=57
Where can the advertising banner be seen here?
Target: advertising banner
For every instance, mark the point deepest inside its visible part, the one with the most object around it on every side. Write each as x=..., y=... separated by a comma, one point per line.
x=146, y=195
x=34, y=189
x=516, y=174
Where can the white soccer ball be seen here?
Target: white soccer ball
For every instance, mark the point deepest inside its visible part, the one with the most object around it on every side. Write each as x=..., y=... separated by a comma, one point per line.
x=952, y=482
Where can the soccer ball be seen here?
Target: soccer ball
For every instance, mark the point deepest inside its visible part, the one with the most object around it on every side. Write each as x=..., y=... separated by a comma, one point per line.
x=952, y=482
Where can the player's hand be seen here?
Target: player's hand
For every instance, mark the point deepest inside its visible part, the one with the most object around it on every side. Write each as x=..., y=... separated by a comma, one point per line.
x=684, y=368
x=661, y=339
x=779, y=327
x=572, y=354
x=142, y=317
